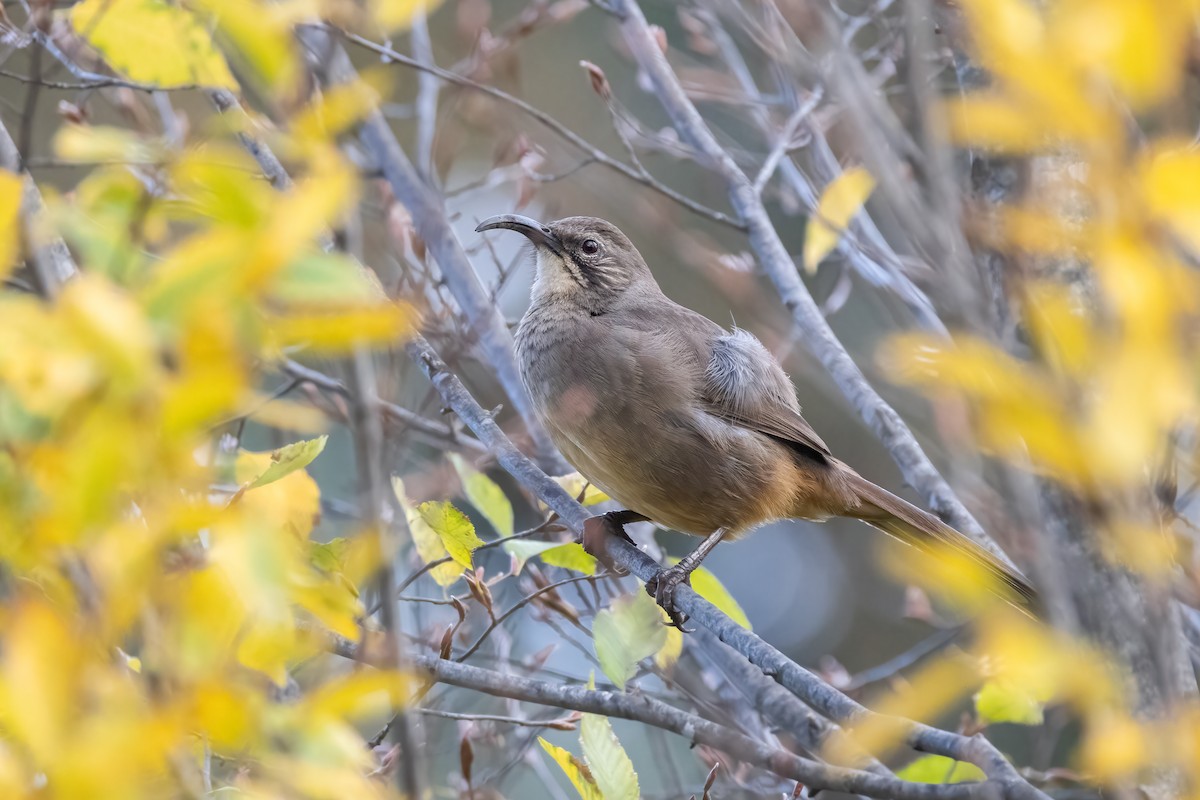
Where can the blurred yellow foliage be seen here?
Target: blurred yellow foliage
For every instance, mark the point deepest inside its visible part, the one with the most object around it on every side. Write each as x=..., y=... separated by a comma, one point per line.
x=159, y=584
x=1106, y=369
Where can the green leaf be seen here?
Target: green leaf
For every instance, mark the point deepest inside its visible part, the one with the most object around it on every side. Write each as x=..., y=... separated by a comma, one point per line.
x=940, y=769
x=711, y=589
x=626, y=632
x=998, y=701
x=487, y=497
x=453, y=528
x=609, y=763
x=429, y=544
x=288, y=459
x=569, y=556
x=576, y=771
x=152, y=41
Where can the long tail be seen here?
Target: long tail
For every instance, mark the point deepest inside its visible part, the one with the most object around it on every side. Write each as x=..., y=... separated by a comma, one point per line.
x=883, y=510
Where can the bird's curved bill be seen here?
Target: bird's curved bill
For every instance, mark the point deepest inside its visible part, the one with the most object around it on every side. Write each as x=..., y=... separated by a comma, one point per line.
x=533, y=230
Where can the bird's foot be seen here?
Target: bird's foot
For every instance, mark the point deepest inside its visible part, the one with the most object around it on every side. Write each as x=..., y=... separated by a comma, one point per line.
x=597, y=529
x=662, y=588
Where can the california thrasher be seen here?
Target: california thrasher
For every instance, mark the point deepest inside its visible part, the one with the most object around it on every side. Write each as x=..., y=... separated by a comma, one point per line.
x=682, y=422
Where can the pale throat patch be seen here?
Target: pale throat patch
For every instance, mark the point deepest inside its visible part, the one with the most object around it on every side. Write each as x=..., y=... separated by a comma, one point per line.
x=552, y=276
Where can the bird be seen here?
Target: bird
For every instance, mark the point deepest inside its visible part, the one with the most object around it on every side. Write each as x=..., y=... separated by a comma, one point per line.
x=684, y=423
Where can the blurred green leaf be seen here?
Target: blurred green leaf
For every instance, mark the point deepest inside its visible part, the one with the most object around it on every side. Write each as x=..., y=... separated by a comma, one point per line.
x=288, y=459
x=1001, y=701
x=569, y=556
x=629, y=630
x=939, y=769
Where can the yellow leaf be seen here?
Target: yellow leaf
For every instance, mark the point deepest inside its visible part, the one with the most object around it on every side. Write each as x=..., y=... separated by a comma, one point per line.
x=393, y=15
x=672, y=648
x=840, y=201
x=1138, y=47
x=711, y=589
x=153, y=41
x=292, y=503
x=260, y=39
x=928, y=693
x=341, y=107
x=37, y=678
x=1170, y=182
x=360, y=694
x=575, y=484
x=992, y=121
x=11, y=190
x=1116, y=747
x=576, y=771
x=340, y=331
x=85, y=144
x=570, y=556
x=225, y=713
x=268, y=649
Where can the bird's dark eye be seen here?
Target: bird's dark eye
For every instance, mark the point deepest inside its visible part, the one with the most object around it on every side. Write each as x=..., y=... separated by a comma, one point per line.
x=590, y=247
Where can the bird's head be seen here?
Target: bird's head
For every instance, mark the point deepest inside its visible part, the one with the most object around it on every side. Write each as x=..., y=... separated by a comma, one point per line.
x=585, y=260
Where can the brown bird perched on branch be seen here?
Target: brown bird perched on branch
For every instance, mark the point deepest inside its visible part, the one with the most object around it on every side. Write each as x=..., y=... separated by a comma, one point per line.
x=682, y=422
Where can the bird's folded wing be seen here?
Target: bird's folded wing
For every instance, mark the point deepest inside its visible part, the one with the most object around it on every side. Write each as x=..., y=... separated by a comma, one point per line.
x=745, y=385
x=783, y=424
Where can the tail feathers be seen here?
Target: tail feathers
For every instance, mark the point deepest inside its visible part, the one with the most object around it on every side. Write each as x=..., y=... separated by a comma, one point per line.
x=883, y=510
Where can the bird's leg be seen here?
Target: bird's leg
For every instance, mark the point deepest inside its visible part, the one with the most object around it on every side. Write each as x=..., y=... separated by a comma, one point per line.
x=597, y=529
x=662, y=586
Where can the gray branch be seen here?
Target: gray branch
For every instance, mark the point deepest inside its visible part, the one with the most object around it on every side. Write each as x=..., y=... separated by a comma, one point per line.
x=697, y=730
